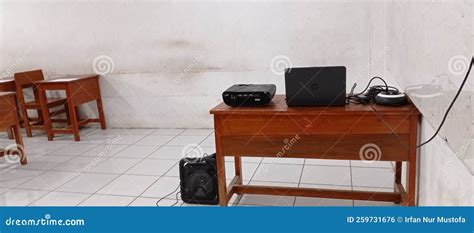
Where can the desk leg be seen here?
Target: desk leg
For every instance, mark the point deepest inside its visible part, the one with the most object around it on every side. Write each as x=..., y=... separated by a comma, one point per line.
x=19, y=141
x=410, y=199
x=48, y=124
x=398, y=175
x=221, y=173
x=100, y=109
x=73, y=115
x=10, y=134
x=411, y=183
x=238, y=170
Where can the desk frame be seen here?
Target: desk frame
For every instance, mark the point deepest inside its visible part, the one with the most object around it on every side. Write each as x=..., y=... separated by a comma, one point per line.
x=79, y=90
x=340, y=133
x=9, y=121
x=8, y=85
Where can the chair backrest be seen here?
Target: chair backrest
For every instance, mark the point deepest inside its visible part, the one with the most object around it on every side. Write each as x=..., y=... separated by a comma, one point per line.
x=26, y=80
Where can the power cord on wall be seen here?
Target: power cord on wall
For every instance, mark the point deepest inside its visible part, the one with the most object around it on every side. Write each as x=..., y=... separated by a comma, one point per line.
x=360, y=98
x=450, y=105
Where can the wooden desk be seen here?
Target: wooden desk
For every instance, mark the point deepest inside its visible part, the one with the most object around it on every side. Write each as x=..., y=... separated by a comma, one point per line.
x=79, y=89
x=8, y=85
x=318, y=133
x=9, y=121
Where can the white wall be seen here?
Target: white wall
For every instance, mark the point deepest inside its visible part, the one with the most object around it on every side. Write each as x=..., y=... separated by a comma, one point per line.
x=443, y=179
x=431, y=44
x=172, y=60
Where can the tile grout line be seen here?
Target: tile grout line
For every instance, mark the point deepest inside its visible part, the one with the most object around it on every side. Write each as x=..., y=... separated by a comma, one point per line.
x=55, y=190
x=123, y=173
x=250, y=180
x=41, y=171
x=299, y=181
x=159, y=177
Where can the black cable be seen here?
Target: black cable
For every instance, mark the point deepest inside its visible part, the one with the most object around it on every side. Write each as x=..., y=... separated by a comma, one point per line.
x=450, y=105
x=368, y=85
x=357, y=99
x=177, y=200
x=169, y=195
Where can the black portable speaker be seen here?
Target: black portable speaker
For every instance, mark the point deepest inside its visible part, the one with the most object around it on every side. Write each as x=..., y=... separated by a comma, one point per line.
x=199, y=180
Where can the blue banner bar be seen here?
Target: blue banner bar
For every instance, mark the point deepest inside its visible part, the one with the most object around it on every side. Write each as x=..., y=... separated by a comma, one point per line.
x=236, y=219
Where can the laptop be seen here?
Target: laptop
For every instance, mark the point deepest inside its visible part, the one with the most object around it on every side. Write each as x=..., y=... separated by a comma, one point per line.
x=315, y=86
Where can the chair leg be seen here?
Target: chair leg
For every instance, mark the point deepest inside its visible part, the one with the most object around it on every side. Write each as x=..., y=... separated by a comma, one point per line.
x=26, y=121
x=19, y=142
x=40, y=117
x=10, y=134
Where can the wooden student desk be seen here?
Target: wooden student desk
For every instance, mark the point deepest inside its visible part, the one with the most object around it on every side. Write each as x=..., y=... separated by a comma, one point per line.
x=80, y=89
x=342, y=133
x=9, y=121
x=8, y=85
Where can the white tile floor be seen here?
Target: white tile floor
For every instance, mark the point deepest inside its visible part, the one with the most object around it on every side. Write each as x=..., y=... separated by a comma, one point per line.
x=136, y=167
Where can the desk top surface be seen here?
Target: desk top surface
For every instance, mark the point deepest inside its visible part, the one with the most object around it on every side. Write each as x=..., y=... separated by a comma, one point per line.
x=278, y=106
x=6, y=93
x=67, y=79
x=6, y=80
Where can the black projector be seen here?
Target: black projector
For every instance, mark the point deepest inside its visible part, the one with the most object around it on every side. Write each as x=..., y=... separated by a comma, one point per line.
x=249, y=95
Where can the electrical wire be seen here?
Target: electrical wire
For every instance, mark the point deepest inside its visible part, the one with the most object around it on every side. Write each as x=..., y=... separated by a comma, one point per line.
x=357, y=99
x=372, y=79
x=450, y=105
x=176, y=202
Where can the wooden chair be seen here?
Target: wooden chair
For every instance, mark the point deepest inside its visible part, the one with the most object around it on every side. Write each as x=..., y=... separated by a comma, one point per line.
x=26, y=80
x=9, y=121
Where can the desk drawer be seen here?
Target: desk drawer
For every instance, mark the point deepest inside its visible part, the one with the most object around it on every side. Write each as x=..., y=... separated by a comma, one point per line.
x=349, y=147
x=311, y=125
